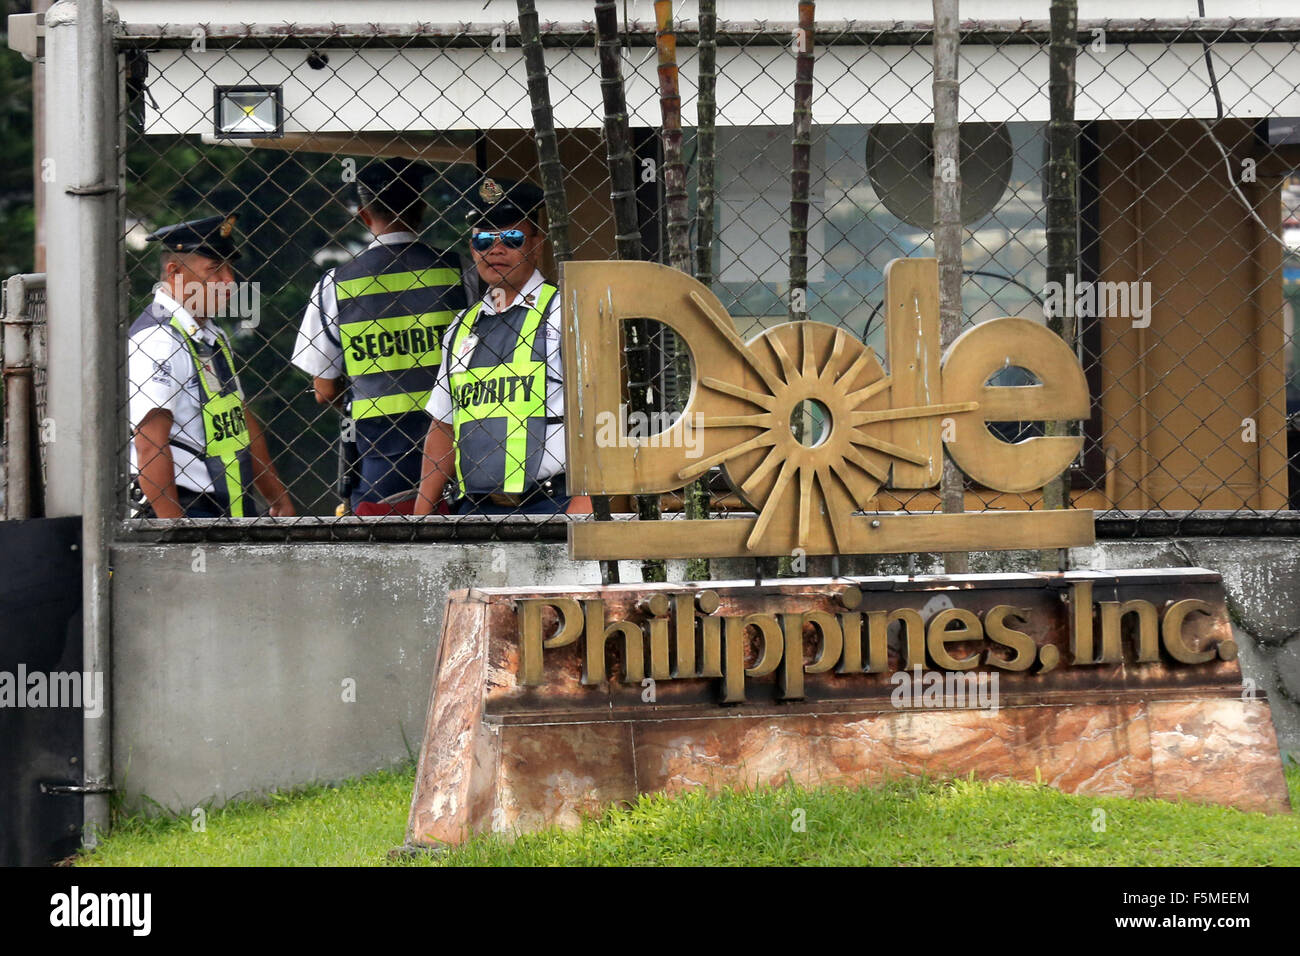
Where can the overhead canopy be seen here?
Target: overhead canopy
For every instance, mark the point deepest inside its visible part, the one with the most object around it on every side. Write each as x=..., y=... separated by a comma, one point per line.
x=423, y=89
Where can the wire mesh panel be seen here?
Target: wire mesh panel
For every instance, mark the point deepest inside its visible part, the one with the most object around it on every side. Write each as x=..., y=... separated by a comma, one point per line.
x=349, y=321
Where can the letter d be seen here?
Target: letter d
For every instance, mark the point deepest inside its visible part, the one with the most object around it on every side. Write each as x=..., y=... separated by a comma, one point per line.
x=599, y=297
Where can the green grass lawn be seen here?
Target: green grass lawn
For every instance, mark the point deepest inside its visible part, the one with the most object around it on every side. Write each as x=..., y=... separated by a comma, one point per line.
x=904, y=823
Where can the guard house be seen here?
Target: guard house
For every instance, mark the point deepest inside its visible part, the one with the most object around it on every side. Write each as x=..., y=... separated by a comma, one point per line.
x=1212, y=356
x=1173, y=387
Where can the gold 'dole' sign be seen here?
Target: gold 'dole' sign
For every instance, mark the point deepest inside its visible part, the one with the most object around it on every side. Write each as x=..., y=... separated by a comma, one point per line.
x=682, y=638
x=884, y=427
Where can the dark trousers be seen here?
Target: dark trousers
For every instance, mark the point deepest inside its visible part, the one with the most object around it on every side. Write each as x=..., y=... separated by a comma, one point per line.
x=486, y=506
x=390, y=454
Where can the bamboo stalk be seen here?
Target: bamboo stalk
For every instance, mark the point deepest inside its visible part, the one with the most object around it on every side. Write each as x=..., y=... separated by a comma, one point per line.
x=696, y=494
x=800, y=187
x=670, y=108
x=801, y=162
x=548, y=149
x=552, y=171
x=627, y=230
x=1062, y=207
x=948, y=227
x=618, y=139
x=706, y=136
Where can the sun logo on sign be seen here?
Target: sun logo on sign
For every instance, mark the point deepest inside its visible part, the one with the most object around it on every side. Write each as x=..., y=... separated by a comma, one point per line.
x=775, y=470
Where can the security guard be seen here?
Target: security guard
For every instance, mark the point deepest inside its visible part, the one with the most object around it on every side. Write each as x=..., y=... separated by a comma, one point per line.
x=196, y=449
x=498, y=404
x=379, y=321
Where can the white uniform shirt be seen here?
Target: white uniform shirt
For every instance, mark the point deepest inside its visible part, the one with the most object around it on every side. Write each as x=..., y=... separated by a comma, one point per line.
x=318, y=350
x=440, y=406
x=161, y=374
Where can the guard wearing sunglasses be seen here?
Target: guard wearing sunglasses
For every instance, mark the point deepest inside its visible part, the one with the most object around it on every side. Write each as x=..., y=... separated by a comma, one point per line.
x=498, y=403
x=378, y=321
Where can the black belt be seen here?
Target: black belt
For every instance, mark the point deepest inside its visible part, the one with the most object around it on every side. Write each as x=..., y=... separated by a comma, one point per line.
x=187, y=499
x=549, y=488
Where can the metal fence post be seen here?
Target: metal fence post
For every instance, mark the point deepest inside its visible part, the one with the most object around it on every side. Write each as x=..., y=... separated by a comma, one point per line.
x=20, y=399
x=83, y=304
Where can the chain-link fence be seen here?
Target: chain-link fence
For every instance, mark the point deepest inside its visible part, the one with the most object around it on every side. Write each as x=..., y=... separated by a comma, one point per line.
x=1185, y=288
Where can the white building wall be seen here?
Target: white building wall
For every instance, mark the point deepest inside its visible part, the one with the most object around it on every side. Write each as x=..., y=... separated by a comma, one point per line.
x=452, y=89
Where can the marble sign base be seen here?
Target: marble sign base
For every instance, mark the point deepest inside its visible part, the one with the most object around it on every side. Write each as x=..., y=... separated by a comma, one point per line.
x=502, y=755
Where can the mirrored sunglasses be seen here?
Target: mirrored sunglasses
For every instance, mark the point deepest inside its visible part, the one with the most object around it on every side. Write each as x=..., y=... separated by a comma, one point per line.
x=510, y=238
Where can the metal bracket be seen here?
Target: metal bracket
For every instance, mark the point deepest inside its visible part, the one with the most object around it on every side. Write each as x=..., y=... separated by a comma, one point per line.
x=103, y=189
x=27, y=35
x=73, y=790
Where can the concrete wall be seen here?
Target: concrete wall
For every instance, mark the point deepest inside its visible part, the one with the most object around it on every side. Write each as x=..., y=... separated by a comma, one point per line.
x=230, y=662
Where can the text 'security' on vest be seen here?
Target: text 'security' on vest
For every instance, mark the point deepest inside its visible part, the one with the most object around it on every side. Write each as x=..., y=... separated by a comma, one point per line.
x=395, y=303
x=498, y=392
x=226, y=445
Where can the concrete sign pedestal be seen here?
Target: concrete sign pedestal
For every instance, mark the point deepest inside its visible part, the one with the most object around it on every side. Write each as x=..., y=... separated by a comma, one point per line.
x=553, y=702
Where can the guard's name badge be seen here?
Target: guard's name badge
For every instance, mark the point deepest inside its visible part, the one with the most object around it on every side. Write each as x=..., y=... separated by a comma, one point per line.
x=210, y=377
x=467, y=349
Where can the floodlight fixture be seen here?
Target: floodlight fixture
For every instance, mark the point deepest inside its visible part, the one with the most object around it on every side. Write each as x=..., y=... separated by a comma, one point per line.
x=248, y=112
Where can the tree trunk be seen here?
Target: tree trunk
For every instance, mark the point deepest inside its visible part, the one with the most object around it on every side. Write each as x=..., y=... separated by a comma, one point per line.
x=618, y=139
x=948, y=228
